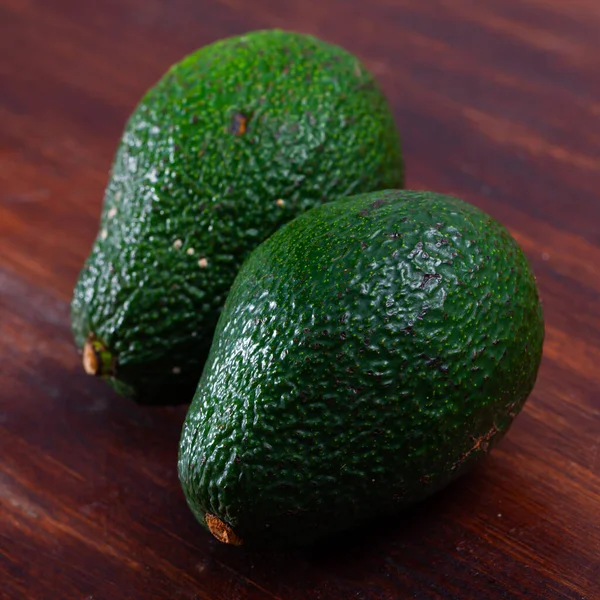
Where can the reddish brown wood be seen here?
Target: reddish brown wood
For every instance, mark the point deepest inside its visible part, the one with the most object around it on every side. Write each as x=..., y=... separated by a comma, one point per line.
x=498, y=102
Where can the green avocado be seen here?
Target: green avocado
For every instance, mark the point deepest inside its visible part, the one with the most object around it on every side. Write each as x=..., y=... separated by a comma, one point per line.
x=235, y=140
x=370, y=352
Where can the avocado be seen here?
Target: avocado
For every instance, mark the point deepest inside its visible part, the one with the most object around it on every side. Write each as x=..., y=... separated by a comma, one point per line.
x=370, y=352
x=234, y=141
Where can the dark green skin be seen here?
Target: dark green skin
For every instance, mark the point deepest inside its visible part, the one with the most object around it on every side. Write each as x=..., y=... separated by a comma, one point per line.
x=231, y=143
x=369, y=352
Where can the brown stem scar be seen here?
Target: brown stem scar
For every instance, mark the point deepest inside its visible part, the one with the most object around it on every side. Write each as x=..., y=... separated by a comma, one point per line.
x=222, y=531
x=91, y=364
x=97, y=359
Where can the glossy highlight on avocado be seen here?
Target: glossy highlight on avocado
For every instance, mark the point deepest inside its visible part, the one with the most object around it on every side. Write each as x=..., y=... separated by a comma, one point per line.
x=370, y=352
x=234, y=141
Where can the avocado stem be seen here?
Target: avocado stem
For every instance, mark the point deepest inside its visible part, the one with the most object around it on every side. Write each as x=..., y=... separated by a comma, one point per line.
x=97, y=359
x=222, y=531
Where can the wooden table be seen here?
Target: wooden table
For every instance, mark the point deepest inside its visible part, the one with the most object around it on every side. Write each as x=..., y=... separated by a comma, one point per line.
x=498, y=102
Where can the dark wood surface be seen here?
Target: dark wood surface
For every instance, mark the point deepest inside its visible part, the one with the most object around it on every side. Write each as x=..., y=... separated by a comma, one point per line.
x=498, y=102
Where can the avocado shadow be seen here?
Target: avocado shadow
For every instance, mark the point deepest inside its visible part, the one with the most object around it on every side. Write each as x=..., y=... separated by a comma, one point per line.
x=428, y=533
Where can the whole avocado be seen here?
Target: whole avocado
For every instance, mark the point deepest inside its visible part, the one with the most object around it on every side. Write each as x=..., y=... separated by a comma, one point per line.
x=369, y=352
x=234, y=141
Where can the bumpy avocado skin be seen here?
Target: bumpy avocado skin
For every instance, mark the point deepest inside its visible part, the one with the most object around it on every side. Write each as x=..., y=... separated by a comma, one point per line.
x=369, y=352
x=234, y=141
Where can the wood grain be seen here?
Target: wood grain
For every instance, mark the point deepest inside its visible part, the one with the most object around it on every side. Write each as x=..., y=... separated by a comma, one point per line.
x=498, y=102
